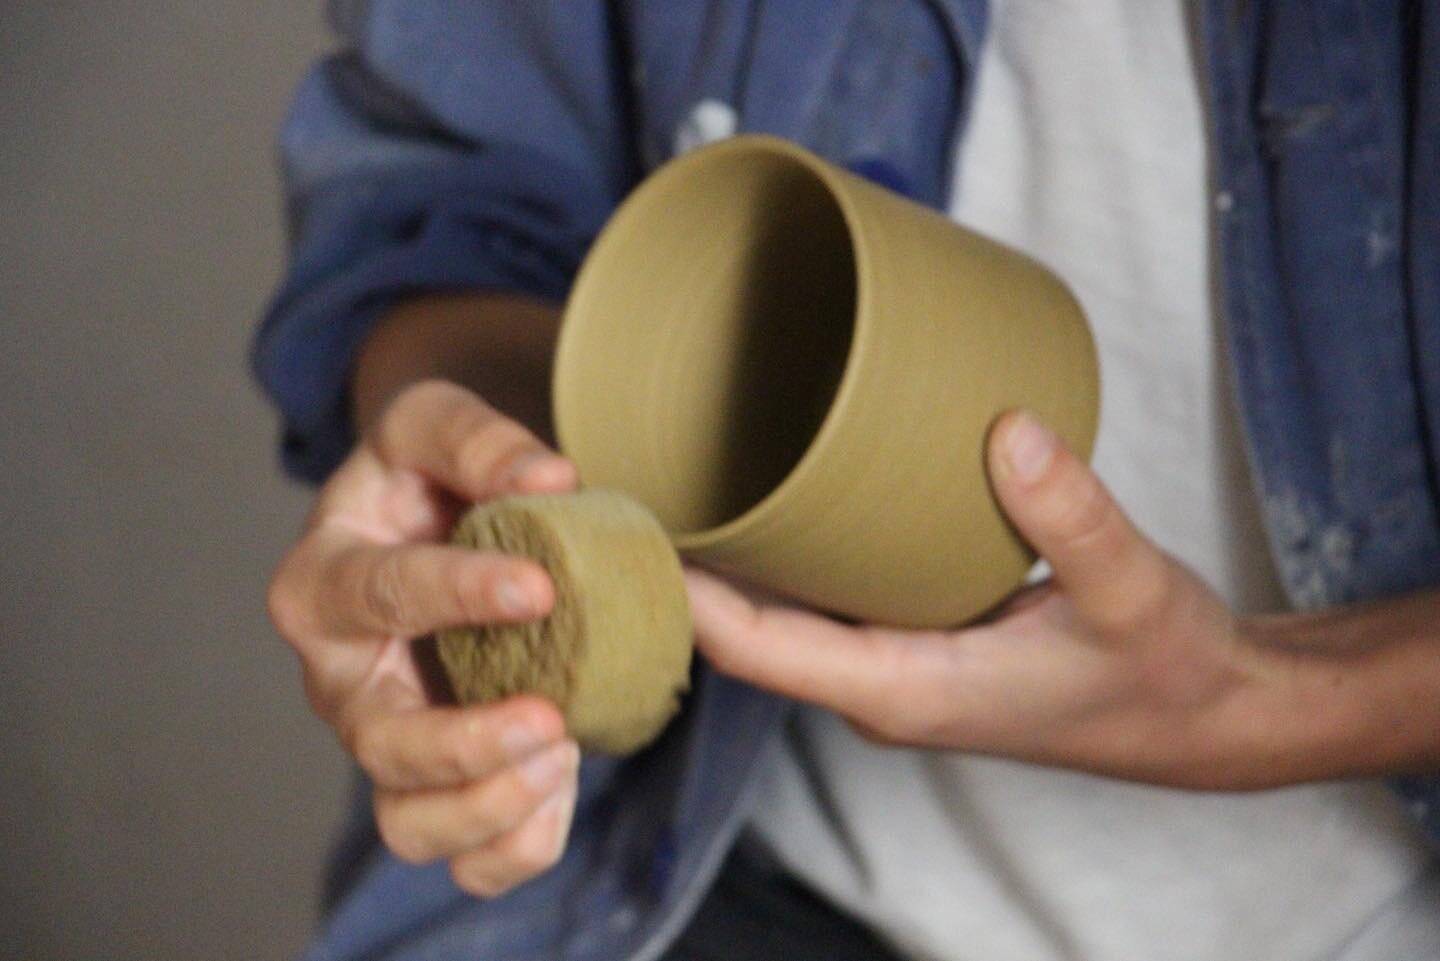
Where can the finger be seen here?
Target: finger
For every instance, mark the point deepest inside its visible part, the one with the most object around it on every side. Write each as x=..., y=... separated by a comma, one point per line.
x=382, y=504
x=440, y=747
x=358, y=589
x=866, y=674
x=1112, y=574
x=449, y=434
x=522, y=852
x=420, y=826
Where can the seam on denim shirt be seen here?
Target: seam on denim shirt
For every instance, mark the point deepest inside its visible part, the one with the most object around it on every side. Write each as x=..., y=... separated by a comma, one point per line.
x=391, y=110
x=711, y=861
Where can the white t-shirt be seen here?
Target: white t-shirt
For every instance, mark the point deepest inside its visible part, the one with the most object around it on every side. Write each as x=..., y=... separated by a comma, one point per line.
x=1087, y=150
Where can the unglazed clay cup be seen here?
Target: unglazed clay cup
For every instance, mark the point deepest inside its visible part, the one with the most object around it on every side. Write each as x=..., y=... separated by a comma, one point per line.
x=796, y=370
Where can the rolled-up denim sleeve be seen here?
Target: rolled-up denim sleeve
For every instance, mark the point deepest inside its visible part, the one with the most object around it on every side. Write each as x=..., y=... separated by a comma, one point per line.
x=446, y=146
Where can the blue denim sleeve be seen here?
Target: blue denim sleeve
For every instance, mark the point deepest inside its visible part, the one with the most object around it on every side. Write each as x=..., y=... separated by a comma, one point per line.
x=445, y=147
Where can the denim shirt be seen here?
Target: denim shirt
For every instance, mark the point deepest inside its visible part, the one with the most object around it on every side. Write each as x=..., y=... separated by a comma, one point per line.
x=482, y=145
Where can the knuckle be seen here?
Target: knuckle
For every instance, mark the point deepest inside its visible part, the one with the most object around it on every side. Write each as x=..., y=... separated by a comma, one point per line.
x=718, y=651
x=888, y=716
x=470, y=592
x=428, y=401
x=384, y=592
x=1144, y=604
x=402, y=842
x=487, y=444
x=407, y=403
x=283, y=610
x=315, y=693
x=454, y=760
x=407, y=847
x=890, y=659
x=483, y=811
x=424, y=396
x=1155, y=586
x=367, y=746
x=285, y=607
x=725, y=646
x=474, y=876
x=1150, y=589
x=535, y=851
x=1084, y=513
x=531, y=849
x=532, y=711
x=921, y=704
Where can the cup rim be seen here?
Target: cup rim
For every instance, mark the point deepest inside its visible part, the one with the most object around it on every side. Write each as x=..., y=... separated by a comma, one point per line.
x=829, y=179
x=861, y=330
x=760, y=512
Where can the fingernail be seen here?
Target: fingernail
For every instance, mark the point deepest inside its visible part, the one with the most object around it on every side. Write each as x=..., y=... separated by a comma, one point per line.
x=519, y=741
x=545, y=770
x=512, y=599
x=560, y=809
x=1029, y=447
x=533, y=463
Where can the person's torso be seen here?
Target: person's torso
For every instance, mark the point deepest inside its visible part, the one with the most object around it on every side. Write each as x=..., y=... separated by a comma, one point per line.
x=882, y=86
x=1086, y=150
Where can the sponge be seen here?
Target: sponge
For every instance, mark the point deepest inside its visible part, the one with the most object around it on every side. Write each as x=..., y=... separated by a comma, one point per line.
x=614, y=654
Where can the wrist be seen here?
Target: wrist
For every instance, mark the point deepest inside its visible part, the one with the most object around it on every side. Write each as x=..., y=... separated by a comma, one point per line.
x=1352, y=691
x=498, y=345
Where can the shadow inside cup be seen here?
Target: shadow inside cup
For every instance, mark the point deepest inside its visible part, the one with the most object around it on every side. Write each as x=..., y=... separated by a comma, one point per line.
x=707, y=337
x=796, y=283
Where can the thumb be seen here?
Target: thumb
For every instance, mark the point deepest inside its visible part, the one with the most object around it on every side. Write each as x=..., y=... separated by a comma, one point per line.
x=1114, y=576
x=873, y=676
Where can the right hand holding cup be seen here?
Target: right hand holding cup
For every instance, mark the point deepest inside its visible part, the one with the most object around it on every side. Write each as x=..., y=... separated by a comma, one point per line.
x=491, y=788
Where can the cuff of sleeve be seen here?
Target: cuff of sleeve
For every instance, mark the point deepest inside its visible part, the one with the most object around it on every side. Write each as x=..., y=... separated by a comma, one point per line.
x=372, y=239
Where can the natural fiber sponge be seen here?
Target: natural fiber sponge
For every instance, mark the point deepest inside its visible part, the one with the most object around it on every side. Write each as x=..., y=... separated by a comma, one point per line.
x=614, y=653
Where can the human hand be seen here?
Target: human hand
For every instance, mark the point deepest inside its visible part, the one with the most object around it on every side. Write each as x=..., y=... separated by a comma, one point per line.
x=1124, y=664
x=492, y=787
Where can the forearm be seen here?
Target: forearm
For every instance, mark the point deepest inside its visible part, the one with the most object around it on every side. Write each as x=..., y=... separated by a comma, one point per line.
x=1362, y=684
x=499, y=345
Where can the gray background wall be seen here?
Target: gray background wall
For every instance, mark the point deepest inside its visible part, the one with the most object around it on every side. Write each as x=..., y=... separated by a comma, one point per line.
x=165, y=792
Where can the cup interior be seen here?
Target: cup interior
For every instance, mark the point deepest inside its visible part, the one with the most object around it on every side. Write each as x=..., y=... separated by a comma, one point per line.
x=707, y=336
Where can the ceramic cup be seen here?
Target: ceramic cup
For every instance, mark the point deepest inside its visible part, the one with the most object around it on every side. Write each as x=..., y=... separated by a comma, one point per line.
x=796, y=370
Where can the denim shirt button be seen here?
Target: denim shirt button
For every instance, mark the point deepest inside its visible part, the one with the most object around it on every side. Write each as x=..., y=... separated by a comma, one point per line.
x=1224, y=201
x=708, y=121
